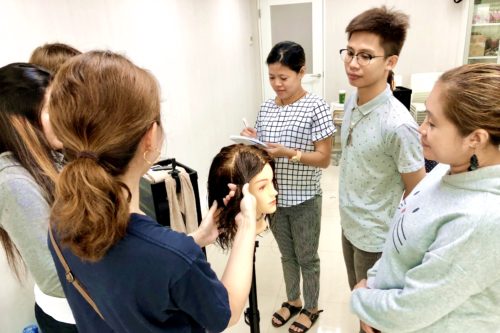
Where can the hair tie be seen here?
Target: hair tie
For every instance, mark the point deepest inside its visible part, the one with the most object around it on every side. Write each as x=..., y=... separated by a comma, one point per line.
x=87, y=154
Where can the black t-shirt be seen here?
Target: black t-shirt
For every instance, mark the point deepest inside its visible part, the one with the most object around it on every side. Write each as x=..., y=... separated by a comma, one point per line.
x=153, y=280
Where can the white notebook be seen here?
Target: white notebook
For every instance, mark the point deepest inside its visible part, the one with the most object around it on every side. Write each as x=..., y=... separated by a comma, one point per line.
x=247, y=141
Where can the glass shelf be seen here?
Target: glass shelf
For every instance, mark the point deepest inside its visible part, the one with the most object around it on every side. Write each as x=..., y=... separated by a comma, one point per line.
x=478, y=25
x=483, y=33
x=483, y=57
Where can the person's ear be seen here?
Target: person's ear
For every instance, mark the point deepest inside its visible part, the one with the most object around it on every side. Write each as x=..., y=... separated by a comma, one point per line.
x=148, y=140
x=302, y=71
x=391, y=62
x=479, y=138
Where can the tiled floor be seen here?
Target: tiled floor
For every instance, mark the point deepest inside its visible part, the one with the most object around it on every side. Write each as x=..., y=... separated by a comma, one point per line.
x=334, y=292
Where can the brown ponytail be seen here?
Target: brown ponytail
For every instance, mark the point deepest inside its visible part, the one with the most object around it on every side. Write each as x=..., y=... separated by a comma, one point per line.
x=96, y=205
x=101, y=106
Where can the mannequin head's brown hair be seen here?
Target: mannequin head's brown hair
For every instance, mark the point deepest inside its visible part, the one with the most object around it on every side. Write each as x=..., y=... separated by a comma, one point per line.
x=236, y=164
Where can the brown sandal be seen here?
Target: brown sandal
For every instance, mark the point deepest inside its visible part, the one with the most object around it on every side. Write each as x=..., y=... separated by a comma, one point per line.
x=293, y=311
x=312, y=317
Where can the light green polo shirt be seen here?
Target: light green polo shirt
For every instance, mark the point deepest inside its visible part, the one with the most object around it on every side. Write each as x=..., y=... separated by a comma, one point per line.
x=384, y=142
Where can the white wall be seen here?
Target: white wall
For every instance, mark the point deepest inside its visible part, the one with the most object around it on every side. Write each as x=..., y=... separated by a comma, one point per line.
x=200, y=51
x=16, y=299
x=435, y=40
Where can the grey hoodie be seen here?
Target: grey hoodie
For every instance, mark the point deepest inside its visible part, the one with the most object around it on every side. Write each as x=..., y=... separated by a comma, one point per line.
x=24, y=214
x=440, y=268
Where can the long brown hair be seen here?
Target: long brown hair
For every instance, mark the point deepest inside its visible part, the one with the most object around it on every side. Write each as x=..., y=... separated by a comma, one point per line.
x=235, y=164
x=101, y=106
x=22, y=91
x=472, y=98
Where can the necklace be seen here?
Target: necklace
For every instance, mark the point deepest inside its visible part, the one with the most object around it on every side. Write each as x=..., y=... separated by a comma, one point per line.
x=292, y=99
x=351, y=127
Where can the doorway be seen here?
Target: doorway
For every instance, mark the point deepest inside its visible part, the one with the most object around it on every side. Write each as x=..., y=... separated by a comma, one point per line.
x=300, y=21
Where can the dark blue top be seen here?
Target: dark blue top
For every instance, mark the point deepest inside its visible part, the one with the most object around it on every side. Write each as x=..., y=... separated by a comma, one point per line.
x=153, y=280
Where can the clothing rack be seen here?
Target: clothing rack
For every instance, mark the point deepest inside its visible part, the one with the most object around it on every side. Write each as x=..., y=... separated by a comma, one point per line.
x=153, y=196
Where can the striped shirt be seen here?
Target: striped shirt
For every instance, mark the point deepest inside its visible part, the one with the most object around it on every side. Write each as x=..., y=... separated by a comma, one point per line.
x=297, y=125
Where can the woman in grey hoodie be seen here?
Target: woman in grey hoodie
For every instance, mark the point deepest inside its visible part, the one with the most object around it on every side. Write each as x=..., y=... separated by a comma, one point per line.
x=26, y=192
x=440, y=268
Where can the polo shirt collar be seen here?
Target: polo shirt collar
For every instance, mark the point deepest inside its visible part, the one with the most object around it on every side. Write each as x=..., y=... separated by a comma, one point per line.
x=375, y=102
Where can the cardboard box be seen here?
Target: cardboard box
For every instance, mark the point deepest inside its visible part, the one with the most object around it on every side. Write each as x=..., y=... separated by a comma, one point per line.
x=477, y=45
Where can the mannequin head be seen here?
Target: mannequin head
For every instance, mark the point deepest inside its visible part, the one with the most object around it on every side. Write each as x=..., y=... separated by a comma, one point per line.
x=240, y=164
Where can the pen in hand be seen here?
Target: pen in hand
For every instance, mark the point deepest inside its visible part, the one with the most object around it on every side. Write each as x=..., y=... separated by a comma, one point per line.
x=248, y=130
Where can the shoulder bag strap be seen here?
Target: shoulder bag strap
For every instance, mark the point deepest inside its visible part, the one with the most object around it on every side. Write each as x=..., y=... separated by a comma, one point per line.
x=70, y=277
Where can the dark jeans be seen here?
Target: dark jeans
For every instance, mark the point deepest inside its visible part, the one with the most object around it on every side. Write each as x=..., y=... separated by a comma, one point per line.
x=47, y=324
x=357, y=261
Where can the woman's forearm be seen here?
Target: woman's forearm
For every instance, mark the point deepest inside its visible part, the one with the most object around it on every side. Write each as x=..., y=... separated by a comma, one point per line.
x=237, y=276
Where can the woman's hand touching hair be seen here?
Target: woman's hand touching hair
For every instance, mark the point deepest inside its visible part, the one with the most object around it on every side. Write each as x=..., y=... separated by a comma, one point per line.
x=248, y=205
x=207, y=232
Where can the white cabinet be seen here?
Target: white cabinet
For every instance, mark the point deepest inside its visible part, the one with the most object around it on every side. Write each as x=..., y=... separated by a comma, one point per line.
x=483, y=33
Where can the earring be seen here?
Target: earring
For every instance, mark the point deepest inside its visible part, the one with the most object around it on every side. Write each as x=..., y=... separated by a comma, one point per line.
x=157, y=151
x=474, y=163
x=146, y=159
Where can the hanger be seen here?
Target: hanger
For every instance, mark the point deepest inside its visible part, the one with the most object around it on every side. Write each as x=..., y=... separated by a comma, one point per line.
x=175, y=175
x=170, y=164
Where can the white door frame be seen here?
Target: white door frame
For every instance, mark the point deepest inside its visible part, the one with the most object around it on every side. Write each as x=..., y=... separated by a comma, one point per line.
x=313, y=81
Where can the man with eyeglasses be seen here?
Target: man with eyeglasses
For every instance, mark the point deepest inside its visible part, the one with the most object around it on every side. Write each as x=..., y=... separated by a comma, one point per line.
x=382, y=157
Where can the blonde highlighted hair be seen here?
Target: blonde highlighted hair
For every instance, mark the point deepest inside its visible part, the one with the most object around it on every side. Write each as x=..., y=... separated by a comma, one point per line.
x=101, y=106
x=472, y=98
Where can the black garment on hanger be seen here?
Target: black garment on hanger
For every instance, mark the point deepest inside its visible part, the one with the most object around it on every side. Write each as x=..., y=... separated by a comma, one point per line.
x=153, y=197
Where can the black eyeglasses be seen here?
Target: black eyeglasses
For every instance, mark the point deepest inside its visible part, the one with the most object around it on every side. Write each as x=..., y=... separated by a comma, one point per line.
x=362, y=58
